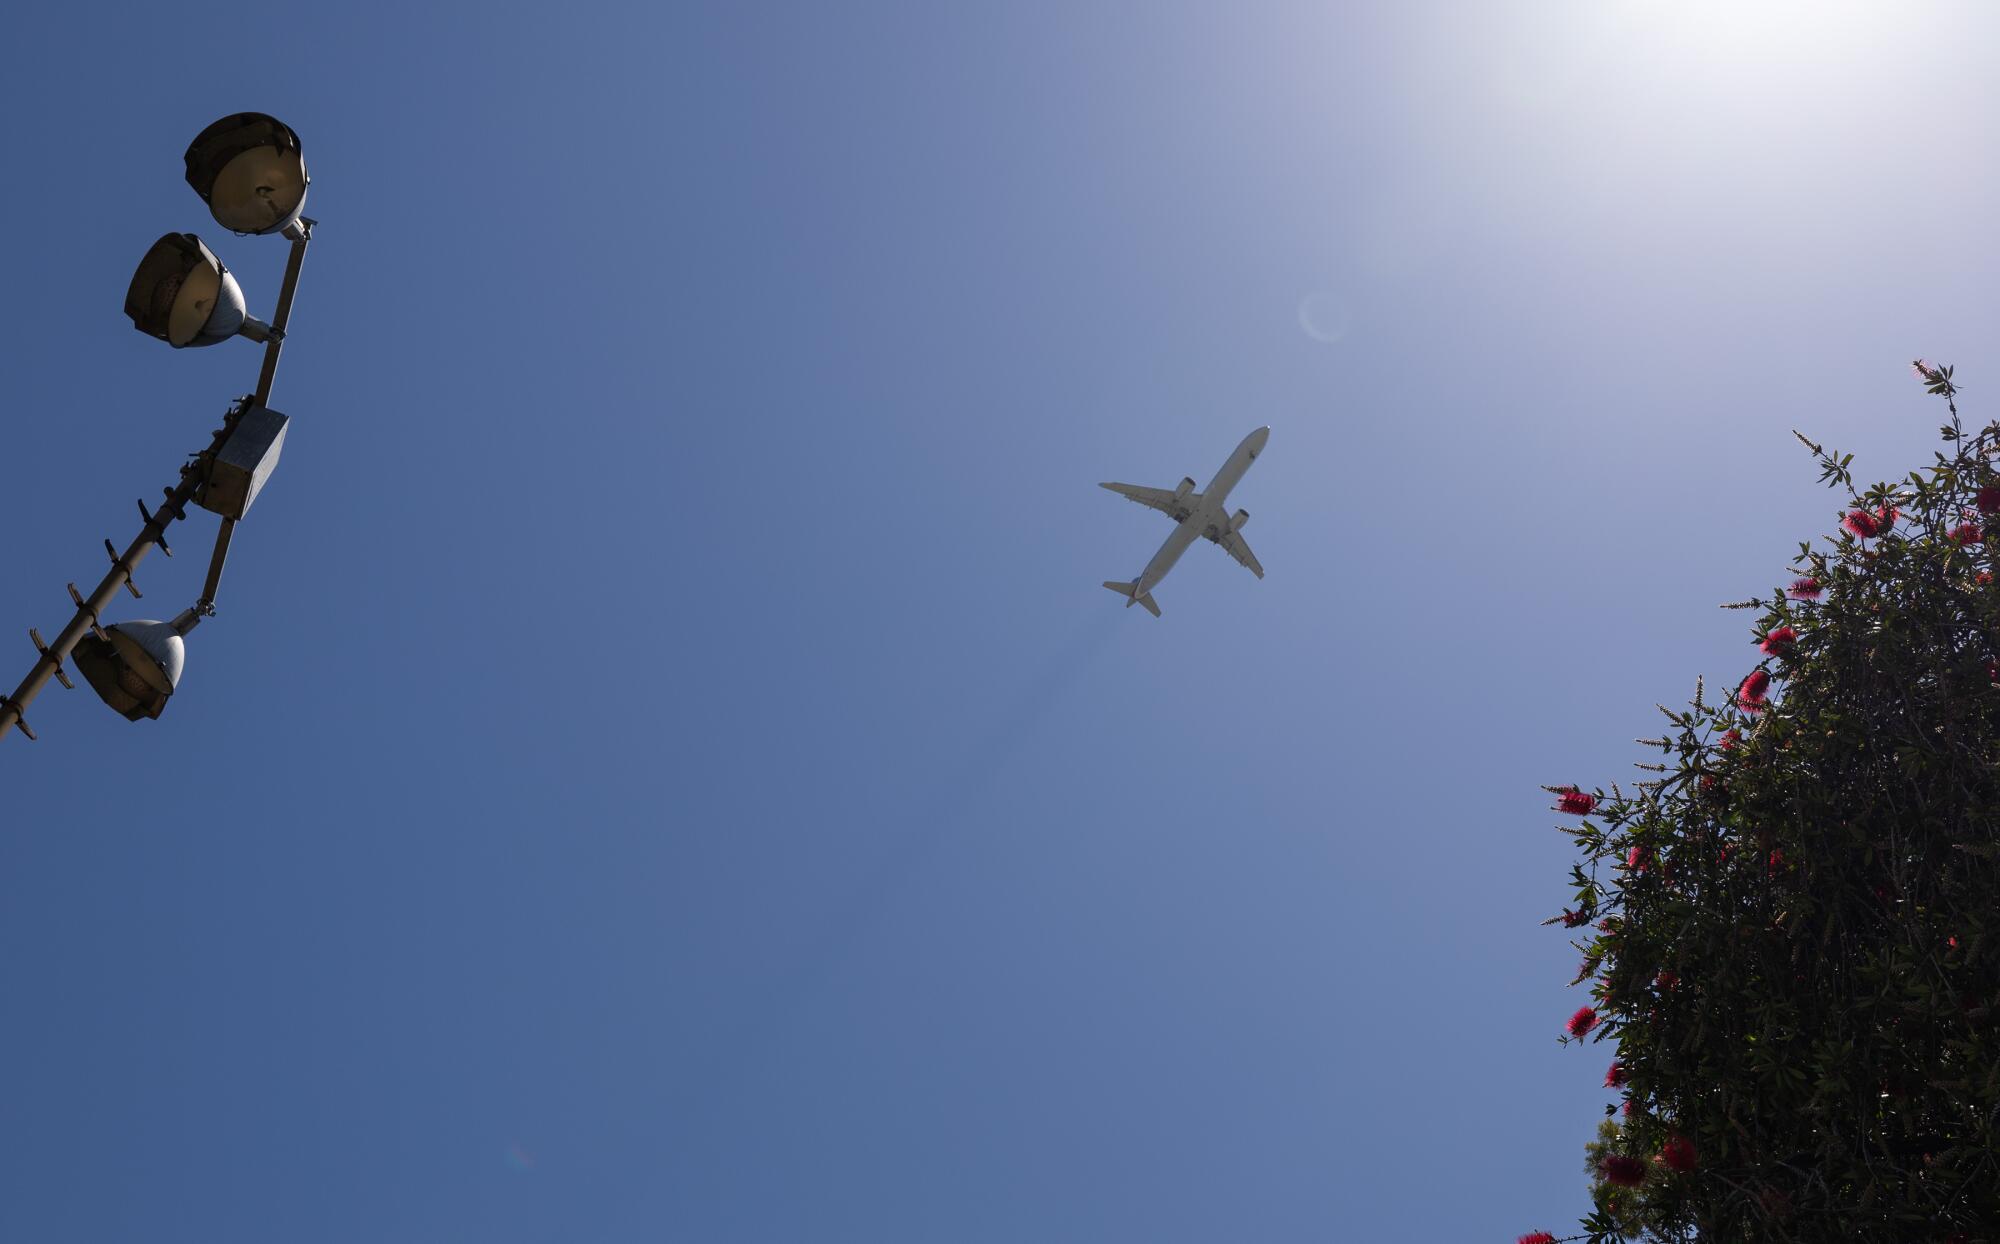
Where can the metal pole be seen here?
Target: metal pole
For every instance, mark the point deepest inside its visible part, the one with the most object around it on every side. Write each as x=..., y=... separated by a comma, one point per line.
x=90, y=609
x=274, y=345
x=206, y=605
x=300, y=234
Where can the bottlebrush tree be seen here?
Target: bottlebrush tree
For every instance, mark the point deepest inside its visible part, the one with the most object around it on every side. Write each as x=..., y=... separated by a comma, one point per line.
x=1791, y=930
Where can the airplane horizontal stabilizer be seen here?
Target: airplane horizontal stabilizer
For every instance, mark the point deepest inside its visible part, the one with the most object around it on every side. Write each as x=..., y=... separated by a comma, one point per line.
x=1126, y=590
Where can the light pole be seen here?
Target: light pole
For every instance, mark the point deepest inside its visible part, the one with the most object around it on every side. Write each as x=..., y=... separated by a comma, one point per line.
x=250, y=170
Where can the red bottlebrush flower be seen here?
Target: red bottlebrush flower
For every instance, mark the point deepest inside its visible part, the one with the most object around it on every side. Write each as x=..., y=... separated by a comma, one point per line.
x=1615, y=1077
x=1678, y=1154
x=1750, y=693
x=1623, y=1171
x=1572, y=919
x=1536, y=1237
x=1861, y=524
x=1779, y=641
x=1626, y=1109
x=1667, y=979
x=1967, y=533
x=1993, y=671
x=1582, y=1022
x=1730, y=738
x=1987, y=499
x=1638, y=859
x=1576, y=803
x=1983, y=578
x=1775, y=863
x=1807, y=588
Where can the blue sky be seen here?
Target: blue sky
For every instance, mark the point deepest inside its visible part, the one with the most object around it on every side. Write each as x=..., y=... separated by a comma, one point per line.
x=664, y=767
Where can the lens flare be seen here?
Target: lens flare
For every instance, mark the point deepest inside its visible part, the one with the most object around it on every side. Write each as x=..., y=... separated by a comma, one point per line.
x=1324, y=316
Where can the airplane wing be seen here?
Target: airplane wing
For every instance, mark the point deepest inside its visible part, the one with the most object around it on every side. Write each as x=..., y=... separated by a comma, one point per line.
x=1176, y=506
x=1237, y=547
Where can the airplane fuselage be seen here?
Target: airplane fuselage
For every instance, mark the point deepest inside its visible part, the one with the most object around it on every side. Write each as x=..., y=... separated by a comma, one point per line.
x=1208, y=518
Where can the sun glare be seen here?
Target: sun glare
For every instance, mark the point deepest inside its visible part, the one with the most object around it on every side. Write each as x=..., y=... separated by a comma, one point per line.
x=1767, y=35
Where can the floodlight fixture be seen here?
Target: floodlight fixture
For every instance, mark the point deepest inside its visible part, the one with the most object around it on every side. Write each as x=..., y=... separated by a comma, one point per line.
x=135, y=666
x=183, y=295
x=251, y=171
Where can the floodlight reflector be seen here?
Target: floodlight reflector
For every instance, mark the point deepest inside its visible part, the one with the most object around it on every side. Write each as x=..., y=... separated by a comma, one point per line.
x=137, y=665
x=251, y=171
x=183, y=295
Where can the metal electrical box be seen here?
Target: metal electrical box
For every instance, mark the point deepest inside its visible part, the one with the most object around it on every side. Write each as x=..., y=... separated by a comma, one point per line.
x=244, y=462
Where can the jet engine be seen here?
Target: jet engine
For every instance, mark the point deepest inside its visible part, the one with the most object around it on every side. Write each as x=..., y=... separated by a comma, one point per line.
x=1187, y=486
x=1240, y=520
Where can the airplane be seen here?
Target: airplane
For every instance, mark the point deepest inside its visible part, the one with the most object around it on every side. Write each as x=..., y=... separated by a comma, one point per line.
x=1204, y=513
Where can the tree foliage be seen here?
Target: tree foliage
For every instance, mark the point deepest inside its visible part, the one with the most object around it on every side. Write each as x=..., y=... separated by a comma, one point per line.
x=1791, y=930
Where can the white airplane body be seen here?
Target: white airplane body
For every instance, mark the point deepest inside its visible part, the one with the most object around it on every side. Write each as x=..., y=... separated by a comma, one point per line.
x=1205, y=513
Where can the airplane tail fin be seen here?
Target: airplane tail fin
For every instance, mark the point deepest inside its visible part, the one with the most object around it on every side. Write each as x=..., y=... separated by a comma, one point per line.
x=1126, y=590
